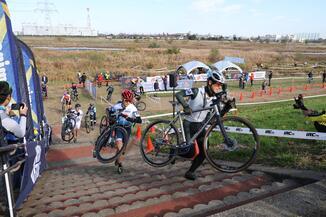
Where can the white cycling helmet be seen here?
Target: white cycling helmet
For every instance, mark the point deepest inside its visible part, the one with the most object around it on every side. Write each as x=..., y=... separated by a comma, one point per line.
x=215, y=76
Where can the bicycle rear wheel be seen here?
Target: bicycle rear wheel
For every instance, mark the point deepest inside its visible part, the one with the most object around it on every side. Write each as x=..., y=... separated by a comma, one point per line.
x=158, y=143
x=141, y=106
x=242, y=147
x=106, y=149
x=67, y=130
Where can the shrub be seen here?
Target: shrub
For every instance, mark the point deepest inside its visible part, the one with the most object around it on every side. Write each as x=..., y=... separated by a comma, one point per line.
x=214, y=55
x=173, y=50
x=153, y=45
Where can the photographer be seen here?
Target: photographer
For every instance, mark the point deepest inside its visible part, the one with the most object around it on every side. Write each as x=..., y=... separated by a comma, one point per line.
x=14, y=129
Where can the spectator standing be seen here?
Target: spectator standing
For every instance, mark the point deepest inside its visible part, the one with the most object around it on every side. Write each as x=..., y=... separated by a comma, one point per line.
x=270, y=76
x=244, y=80
x=251, y=79
x=44, y=79
x=140, y=85
x=165, y=82
x=240, y=81
x=83, y=79
x=324, y=76
x=310, y=77
x=14, y=131
x=79, y=75
x=156, y=86
x=99, y=79
x=263, y=86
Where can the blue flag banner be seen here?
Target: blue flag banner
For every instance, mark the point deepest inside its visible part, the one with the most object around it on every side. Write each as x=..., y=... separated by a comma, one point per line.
x=8, y=51
x=34, y=96
x=34, y=166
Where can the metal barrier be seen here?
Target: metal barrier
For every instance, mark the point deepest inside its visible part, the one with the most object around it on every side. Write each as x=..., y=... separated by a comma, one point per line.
x=268, y=132
x=5, y=152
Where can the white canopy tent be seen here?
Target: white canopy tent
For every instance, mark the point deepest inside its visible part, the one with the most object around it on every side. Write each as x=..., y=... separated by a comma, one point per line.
x=224, y=65
x=192, y=70
x=190, y=66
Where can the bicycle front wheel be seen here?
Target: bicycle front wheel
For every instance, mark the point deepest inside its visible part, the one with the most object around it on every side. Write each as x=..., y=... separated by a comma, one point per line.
x=236, y=152
x=158, y=144
x=107, y=146
x=141, y=106
x=87, y=124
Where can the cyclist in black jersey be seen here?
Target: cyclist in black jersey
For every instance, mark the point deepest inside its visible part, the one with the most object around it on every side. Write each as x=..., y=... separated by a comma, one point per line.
x=199, y=98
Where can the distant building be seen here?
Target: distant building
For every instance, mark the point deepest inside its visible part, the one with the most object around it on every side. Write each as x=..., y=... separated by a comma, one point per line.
x=61, y=30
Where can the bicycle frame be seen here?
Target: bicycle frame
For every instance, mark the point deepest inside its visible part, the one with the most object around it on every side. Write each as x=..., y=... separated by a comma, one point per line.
x=215, y=113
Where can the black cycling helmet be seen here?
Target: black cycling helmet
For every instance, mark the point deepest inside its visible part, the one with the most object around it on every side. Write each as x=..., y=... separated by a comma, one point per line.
x=77, y=105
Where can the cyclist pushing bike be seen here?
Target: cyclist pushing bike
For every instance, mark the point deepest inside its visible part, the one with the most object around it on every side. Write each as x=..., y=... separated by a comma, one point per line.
x=109, y=91
x=127, y=118
x=199, y=98
x=74, y=91
x=66, y=100
x=91, y=111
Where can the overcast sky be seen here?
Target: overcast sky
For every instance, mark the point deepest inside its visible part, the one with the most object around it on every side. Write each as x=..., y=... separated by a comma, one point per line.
x=240, y=17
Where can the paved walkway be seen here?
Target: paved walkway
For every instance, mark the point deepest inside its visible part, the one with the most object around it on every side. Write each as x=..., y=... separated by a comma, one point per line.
x=77, y=185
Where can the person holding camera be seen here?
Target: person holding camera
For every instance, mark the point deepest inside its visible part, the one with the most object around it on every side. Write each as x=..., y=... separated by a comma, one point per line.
x=14, y=130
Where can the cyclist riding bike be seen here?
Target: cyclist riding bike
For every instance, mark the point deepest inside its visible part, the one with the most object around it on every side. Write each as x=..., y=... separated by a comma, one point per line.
x=199, y=98
x=128, y=117
x=92, y=113
x=109, y=91
x=66, y=100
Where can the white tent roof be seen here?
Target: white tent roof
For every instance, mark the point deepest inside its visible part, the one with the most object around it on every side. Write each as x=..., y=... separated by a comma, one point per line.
x=224, y=64
x=189, y=66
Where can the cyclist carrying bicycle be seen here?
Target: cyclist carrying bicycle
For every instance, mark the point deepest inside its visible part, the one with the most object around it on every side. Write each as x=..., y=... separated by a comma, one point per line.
x=199, y=98
x=66, y=99
x=128, y=117
x=78, y=115
x=92, y=113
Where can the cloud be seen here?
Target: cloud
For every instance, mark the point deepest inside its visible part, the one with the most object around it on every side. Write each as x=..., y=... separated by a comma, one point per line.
x=236, y=8
x=207, y=5
x=215, y=6
x=279, y=18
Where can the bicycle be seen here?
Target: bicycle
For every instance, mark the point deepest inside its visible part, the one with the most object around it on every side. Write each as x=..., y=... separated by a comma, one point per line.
x=140, y=105
x=68, y=125
x=231, y=143
x=105, y=149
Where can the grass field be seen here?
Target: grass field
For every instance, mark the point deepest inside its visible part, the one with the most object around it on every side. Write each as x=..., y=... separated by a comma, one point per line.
x=140, y=59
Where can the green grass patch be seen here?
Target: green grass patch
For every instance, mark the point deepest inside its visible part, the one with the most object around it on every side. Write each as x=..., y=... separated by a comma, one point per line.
x=295, y=153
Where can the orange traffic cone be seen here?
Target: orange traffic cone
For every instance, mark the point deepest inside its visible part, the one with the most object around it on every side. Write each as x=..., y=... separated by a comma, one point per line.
x=261, y=93
x=270, y=91
x=196, y=150
x=138, y=133
x=305, y=87
x=149, y=147
x=253, y=95
x=241, y=97
x=279, y=91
